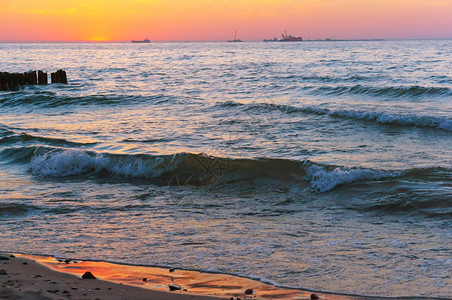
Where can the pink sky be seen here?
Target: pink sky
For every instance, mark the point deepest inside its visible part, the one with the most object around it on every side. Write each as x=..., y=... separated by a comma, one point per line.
x=216, y=20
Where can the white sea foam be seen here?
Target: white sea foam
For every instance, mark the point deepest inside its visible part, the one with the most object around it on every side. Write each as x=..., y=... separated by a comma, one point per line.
x=406, y=120
x=73, y=162
x=323, y=180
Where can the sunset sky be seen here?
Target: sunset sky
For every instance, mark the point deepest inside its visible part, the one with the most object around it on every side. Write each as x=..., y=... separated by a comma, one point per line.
x=216, y=20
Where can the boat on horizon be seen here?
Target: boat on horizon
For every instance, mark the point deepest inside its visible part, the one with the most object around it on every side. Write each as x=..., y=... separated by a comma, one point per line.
x=142, y=41
x=235, y=40
x=285, y=38
x=290, y=38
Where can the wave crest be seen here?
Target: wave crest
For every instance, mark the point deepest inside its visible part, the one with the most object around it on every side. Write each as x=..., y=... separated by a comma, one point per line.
x=323, y=179
x=442, y=123
x=201, y=169
x=413, y=91
x=74, y=162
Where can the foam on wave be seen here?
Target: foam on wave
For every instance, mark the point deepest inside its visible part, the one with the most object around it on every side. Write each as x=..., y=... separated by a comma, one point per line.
x=322, y=179
x=74, y=162
x=199, y=169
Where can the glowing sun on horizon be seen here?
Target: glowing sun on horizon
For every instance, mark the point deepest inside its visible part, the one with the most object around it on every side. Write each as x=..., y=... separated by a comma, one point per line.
x=98, y=39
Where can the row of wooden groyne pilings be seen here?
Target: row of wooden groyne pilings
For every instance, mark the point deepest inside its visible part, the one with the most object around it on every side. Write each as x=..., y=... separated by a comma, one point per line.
x=12, y=81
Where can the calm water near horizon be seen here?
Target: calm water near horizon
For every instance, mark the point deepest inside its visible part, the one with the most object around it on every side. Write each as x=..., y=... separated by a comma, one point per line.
x=320, y=165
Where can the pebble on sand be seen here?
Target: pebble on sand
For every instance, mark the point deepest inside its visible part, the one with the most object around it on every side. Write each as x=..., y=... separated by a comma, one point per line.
x=249, y=292
x=174, y=287
x=88, y=275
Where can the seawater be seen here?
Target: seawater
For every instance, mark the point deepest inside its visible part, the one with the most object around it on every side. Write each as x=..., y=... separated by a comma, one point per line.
x=320, y=165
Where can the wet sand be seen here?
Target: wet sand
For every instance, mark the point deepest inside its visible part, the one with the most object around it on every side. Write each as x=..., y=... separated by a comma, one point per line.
x=27, y=279
x=41, y=277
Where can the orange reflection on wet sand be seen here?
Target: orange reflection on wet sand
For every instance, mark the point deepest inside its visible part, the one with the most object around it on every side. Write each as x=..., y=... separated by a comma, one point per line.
x=190, y=281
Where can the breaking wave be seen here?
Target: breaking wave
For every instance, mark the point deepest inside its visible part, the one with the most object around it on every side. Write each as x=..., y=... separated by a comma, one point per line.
x=324, y=179
x=196, y=169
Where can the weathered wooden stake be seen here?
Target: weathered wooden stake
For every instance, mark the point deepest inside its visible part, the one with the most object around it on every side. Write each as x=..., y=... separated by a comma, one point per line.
x=34, y=77
x=64, y=76
x=12, y=81
x=3, y=83
x=30, y=77
x=59, y=77
x=42, y=77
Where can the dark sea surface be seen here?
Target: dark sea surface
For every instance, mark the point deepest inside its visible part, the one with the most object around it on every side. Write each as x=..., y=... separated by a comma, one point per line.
x=320, y=165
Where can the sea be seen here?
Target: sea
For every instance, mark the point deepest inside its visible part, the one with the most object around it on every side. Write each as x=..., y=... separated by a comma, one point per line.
x=324, y=165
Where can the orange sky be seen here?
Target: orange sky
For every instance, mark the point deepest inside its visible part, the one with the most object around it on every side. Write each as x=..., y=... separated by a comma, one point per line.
x=216, y=20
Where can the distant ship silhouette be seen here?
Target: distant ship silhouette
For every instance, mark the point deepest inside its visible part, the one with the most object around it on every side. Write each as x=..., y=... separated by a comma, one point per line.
x=143, y=41
x=286, y=38
x=235, y=40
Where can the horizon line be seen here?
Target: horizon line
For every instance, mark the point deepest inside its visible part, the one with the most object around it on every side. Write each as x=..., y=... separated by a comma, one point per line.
x=217, y=41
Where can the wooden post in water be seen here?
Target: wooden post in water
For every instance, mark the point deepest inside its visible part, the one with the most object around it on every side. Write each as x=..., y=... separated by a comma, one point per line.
x=63, y=76
x=3, y=82
x=12, y=81
x=59, y=77
x=34, y=77
x=30, y=77
x=21, y=78
x=42, y=77
x=13, y=84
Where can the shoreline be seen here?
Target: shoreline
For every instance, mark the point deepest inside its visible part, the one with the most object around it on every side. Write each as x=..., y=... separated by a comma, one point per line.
x=46, y=277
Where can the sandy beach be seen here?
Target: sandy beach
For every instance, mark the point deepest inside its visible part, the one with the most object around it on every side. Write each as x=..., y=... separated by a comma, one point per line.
x=41, y=277
x=23, y=278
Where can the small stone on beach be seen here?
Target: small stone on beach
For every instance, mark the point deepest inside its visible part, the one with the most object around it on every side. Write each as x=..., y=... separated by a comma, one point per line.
x=145, y=279
x=3, y=272
x=174, y=287
x=171, y=270
x=88, y=275
x=4, y=258
x=25, y=263
x=314, y=297
x=249, y=292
